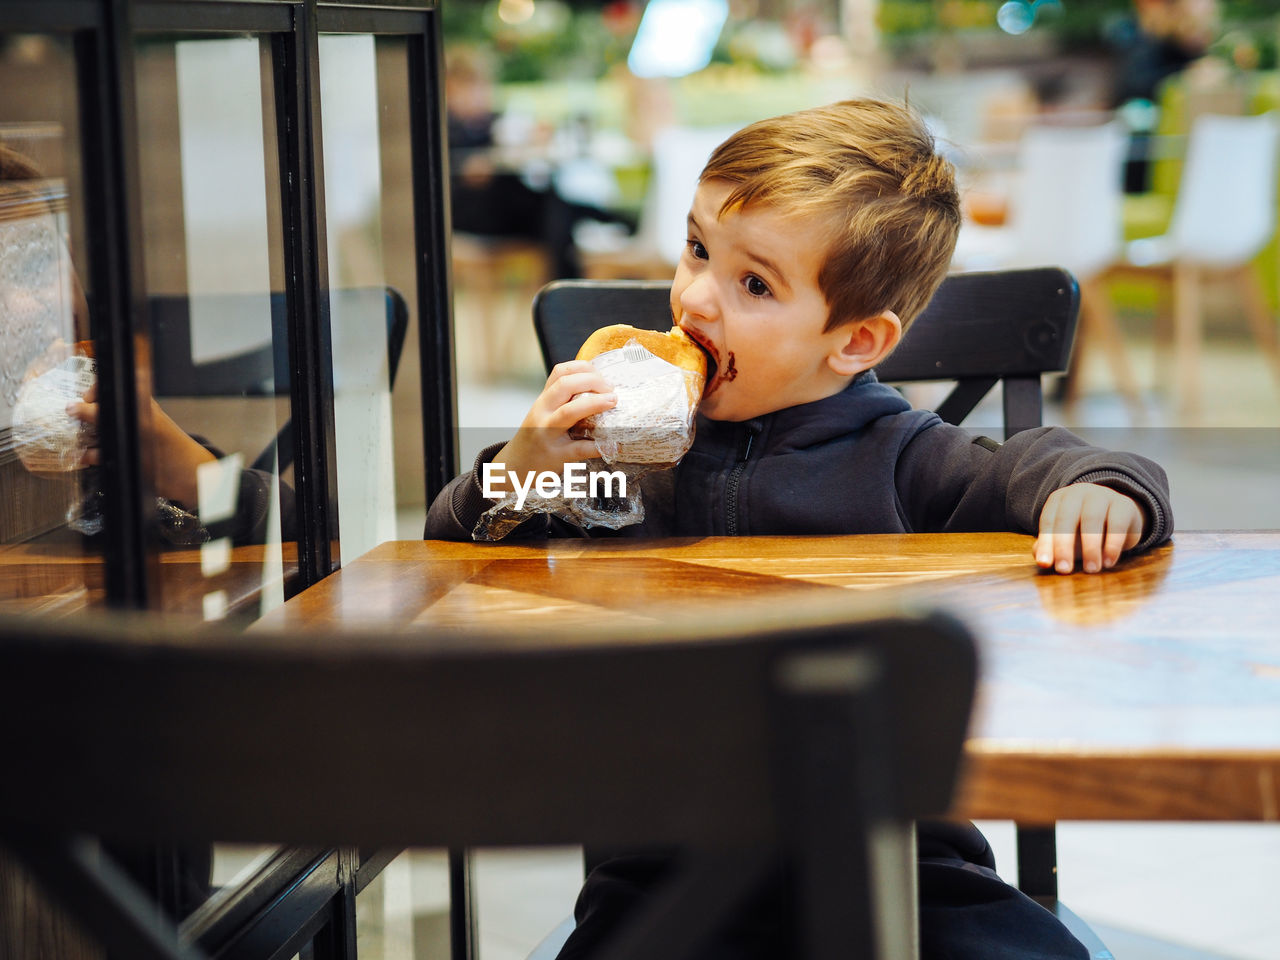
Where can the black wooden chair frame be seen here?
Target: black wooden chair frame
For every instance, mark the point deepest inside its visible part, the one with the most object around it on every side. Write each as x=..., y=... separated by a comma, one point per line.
x=138, y=729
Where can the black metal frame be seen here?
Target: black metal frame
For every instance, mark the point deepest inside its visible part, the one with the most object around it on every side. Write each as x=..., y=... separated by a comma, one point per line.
x=104, y=32
x=302, y=896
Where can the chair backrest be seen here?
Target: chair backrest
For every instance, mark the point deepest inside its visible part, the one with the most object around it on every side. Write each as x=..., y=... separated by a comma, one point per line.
x=733, y=756
x=260, y=370
x=1225, y=209
x=1066, y=205
x=980, y=329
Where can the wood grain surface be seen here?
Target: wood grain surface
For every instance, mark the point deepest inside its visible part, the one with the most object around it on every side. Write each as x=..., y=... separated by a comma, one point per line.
x=1148, y=692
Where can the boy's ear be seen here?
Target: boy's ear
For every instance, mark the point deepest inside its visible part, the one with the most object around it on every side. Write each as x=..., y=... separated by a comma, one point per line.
x=865, y=343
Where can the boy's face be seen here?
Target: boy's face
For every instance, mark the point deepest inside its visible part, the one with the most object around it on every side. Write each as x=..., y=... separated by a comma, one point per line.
x=746, y=290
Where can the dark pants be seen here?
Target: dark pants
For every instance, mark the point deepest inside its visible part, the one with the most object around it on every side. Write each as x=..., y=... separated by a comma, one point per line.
x=966, y=911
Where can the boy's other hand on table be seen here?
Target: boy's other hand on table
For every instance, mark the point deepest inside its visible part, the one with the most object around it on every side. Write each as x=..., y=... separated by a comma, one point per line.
x=1087, y=522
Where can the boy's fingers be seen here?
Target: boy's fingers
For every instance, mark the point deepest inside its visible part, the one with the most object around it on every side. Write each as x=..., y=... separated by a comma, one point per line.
x=577, y=373
x=1093, y=527
x=581, y=406
x=1044, y=541
x=566, y=388
x=581, y=450
x=1066, y=526
x=1136, y=520
x=1121, y=531
x=1095, y=523
x=1114, y=545
x=566, y=367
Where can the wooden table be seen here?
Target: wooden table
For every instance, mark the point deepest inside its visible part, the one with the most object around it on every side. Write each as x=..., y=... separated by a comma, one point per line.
x=1151, y=692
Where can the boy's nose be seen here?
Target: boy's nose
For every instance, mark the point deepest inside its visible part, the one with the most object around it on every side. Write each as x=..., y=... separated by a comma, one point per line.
x=699, y=298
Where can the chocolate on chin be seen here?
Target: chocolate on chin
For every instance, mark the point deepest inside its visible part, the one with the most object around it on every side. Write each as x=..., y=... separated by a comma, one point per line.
x=659, y=378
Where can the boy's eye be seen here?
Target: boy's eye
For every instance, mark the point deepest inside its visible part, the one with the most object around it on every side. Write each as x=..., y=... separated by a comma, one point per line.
x=696, y=248
x=756, y=287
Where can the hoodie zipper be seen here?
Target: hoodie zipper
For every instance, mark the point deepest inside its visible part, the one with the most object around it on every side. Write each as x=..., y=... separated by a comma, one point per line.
x=735, y=478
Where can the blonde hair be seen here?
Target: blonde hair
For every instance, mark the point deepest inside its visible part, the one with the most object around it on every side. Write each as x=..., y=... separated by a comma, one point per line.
x=886, y=202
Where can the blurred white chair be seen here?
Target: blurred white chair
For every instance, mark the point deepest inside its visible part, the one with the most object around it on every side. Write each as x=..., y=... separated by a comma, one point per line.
x=679, y=154
x=1223, y=216
x=1065, y=210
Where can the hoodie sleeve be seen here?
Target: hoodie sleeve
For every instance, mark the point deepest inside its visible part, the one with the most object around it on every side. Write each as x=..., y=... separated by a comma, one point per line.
x=454, y=512
x=949, y=480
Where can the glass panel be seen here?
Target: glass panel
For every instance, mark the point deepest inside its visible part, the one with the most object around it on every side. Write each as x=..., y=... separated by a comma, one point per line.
x=50, y=557
x=403, y=914
x=214, y=278
x=214, y=269
x=524, y=895
x=368, y=176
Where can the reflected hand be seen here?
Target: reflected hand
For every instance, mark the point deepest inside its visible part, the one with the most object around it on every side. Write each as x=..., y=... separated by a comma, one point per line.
x=86, y=411
x=176, y=454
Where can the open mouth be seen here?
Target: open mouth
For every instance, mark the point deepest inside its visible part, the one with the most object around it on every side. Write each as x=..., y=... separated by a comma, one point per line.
x=713, y=360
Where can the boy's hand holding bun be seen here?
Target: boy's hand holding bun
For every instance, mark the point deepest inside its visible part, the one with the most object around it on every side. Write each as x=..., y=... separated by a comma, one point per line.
x=578, y=393
x=574, y=391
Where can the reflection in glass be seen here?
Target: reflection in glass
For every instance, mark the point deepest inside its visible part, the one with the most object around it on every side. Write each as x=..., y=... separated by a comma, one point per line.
x=43, y=449
x=213, y=264
x=364, y=88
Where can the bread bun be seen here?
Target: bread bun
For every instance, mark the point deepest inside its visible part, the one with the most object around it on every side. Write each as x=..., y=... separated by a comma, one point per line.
x=674, y=346
x=659, y=388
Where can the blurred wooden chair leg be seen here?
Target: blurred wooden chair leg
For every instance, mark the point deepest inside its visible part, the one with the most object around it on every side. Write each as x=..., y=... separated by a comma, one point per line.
x=1187, y=336
x=1261, y=319
x=498, y=277
x=1099, y=327
x=1162, y=332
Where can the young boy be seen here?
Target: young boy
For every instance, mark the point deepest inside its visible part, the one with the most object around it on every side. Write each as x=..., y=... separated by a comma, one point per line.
x=814, y=240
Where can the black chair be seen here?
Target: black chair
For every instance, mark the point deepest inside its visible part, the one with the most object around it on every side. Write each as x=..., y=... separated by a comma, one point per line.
x=1008, y=327
x=258, y=372
x=715, y=736
x=980, y=328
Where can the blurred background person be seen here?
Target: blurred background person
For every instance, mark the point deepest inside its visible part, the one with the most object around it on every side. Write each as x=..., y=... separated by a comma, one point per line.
x=1161, y=39
x=499, y=186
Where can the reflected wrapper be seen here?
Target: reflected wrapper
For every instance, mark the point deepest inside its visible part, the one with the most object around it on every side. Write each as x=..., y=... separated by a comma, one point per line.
x=47, y=438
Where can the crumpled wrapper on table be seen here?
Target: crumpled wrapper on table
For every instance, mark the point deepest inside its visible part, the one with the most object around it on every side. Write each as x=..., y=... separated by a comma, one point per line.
x=650, y=429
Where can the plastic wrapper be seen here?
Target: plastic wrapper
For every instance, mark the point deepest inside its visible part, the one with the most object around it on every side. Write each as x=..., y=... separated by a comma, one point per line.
x=651, y=428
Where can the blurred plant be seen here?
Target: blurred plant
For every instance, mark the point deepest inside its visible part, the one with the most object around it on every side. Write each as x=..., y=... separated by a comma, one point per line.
x=763, y=44
x=544, y=39
x=550, y=39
